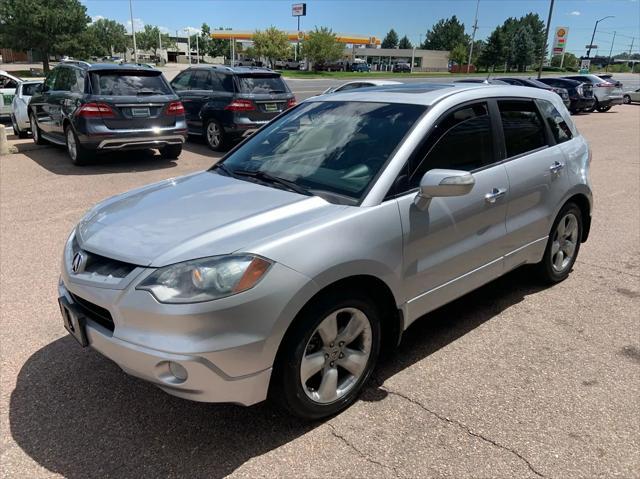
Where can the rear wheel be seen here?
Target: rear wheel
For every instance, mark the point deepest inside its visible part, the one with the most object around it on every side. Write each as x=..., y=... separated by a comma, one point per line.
x=214, y=135
x=77, y=153
x=327, y=356
x=171, y=152
x=593, y=108
x=603, y=109
x=16, y=129
x=563, y=245
x=36, y=132
x=626, y=99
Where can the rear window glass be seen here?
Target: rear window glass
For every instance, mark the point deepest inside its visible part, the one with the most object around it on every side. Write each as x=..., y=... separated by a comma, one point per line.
x=129, y=84
x=522, y=126
x=261, y=84
x=29, y=89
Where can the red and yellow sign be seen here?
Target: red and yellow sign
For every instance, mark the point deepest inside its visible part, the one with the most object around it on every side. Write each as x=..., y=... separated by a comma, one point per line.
x=560, y=40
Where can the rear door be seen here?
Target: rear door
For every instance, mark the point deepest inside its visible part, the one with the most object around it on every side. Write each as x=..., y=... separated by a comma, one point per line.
x=269, y=93
x=138, y=98
x=40, y=103
x=458, y=243
x=535, y=165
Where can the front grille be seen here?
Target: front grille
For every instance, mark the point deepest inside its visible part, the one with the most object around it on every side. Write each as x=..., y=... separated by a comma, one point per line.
x=94, y=312
x=102, y=265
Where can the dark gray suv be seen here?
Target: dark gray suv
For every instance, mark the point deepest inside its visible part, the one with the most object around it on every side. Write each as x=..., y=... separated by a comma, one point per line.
x=224, y=104
x=105, y=107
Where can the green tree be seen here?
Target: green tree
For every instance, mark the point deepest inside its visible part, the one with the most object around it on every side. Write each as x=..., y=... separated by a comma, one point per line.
x=149, y=39
x=459, y=54
x=43, y=25
x=405, y=43
x=321, y=46
x=522, y=48
x=272, y=44
x=214, y=47
x=446, y=35
x=537, y=27
x=493, y=51
x=390, y=40
x=109, y=35
x=570, y=60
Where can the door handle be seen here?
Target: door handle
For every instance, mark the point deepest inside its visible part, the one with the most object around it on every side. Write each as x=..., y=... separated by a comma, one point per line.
x=556, y=167
x=495, y=194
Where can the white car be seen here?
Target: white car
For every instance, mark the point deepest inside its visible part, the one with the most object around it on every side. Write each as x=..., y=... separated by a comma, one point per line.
x=8, y=85
x=631, y=95
x=353, y=85
x=19, y=114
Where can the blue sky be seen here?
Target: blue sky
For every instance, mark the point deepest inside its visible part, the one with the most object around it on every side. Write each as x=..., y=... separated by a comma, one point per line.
x=376, y=17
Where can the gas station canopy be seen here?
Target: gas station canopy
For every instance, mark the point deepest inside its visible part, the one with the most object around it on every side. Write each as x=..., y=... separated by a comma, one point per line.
x=295, y=36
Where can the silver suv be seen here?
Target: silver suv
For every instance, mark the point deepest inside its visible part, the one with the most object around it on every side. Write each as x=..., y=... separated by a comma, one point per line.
x=285, y=269
x=607, y=93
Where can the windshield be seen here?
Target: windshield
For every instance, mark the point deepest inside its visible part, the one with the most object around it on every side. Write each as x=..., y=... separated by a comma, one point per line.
x=330, y=149
x=261, y=84
x=119, y=83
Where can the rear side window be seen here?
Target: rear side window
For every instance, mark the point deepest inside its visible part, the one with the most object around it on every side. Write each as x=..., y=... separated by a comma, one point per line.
x=462, y=140
x=129, y=83
x=261, y=84
x=200, y=80
x=64, y=79
x=352, y=86
x=227, y=82
x=559, y=128
x=522, y=126
x=181, y=82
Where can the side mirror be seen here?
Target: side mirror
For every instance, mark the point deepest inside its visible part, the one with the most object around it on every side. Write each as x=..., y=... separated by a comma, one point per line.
x=440, y=183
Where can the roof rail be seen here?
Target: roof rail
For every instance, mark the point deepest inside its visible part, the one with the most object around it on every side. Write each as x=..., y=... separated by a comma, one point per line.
x=76, y=62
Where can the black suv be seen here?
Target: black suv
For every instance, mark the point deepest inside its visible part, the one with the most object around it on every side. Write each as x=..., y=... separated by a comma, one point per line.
x=580, y=94
x=226, y=103
x=105, y=107
x=401, y=67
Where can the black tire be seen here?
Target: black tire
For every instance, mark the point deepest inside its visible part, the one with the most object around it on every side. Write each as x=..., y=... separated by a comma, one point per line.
x=36, y=131
x=81, y=156
x=546, y=270
x=171, y=152
x=286, y=388
x=16, y=129
x=626, y=99
x=603, y=109
x=209, y=136
x=595, y=106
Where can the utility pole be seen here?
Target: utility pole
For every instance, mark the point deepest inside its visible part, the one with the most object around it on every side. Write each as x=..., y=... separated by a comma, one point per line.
x=197, y=51
x=188, y=44
x=546, y=38
x=595, y=27
x=295, y=51
x=133, y=34
x=631, y=47
x=159, y=44
x=610, y=51
x=473, y=36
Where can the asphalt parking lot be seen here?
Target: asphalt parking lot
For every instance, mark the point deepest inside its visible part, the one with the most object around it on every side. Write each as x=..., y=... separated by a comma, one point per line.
x=513, y=380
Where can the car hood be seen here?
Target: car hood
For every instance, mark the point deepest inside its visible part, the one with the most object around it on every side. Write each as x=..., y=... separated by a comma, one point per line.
x=204, y=214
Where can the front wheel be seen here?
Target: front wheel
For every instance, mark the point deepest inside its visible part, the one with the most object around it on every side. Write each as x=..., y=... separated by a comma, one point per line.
x=603, y=109
x=16, y=129
x=563, y=245
x=593, y=108
x=327, y=356
x=626, y=99
x=36, y=132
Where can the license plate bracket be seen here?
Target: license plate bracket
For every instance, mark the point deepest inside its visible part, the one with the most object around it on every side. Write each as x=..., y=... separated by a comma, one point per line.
x=139, y=112
x=73, y=322
x=271, y=107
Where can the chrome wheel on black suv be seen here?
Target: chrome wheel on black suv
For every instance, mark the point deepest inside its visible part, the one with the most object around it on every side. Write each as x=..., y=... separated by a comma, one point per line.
x=214, y=135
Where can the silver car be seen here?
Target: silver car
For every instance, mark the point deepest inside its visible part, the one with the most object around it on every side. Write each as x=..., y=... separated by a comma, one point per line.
x=19, y=107
x=285, y=269
x=607, y=93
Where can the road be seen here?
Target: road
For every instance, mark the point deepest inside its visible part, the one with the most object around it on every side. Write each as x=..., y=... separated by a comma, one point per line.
x=514, y=380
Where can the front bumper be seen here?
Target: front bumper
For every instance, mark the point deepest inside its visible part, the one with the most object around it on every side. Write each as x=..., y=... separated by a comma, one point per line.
x=582, y=103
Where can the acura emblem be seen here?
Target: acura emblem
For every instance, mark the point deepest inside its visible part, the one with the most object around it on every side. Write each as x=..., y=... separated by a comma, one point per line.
x=78, y=263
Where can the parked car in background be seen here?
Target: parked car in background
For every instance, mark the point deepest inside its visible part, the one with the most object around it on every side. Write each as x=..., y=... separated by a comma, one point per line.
x=485, y=81
x=533, y=83
x=224, y=104
x=631, y=96
x=360, y=67
x=102, y=107
x=285, y=269
x=606, y=94
x=401, y=67
x=353, y=85
x=20, y=107
x=580, y=94
x=8, y=85
x=609, y=77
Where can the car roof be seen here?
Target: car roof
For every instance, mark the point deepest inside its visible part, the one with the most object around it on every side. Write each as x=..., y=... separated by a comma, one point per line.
x=234, y=70
x=373, y=82
x=430, y=93
x=2, y=72
x=568, y=80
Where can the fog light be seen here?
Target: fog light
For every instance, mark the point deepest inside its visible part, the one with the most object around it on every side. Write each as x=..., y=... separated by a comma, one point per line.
x=178, y=371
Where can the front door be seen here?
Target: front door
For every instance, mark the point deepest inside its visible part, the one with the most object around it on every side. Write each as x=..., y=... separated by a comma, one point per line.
x=457, y=243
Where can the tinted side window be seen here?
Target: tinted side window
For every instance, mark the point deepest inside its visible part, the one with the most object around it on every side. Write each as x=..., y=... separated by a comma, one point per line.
x=181, y=82
x=227, y=82
x=462, y=140
x=522, y=126
x=51, y=80
x=199, y=80
x=77, y=84
x=214, y=82
x=64, y=79
x=557, y=124
x=352, y=86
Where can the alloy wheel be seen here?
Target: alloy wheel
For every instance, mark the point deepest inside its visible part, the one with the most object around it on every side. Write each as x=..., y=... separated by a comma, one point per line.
x=565, y=241
x=213, y=134
x=336, y=355
x=34, y=129
x=72, y=147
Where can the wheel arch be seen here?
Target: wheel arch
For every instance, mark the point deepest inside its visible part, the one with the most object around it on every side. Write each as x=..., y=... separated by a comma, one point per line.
x=583, y=202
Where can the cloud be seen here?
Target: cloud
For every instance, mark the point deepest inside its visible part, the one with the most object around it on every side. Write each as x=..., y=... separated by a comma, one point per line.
x=192, y=30
x=575, y=13
x=96, y=18
x=137, y=23
x=163, y=29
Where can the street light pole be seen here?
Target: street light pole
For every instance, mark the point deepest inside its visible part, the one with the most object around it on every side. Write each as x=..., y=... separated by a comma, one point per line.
x=595, y=27
x=546, y=39
x=188, y=44
x=473, y=36
x=197, y=51
x=133, y=34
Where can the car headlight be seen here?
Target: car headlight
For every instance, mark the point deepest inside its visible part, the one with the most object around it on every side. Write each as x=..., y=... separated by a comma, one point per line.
x=205, y=279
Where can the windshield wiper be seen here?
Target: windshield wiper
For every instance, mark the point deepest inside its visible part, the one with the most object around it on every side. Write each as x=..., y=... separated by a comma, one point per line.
x=225, y=168
x=267, y=178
